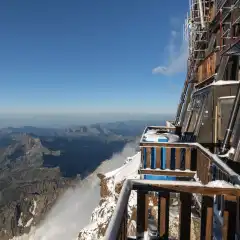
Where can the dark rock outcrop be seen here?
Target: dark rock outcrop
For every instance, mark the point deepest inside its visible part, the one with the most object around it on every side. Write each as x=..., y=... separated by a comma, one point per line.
x=27, y=190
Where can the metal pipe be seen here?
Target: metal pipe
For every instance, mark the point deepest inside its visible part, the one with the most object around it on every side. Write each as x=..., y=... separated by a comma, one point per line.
x=116, y=220
x=180, y=105
x=221, y=31
x=201, y=13
x=237, y=153
x=185, y=105
x=231, y=122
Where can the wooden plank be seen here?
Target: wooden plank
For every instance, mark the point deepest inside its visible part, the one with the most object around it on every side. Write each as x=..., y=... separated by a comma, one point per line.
x=158, y=158
x=206, y=218
x=160, y=127
x=201, y=172
x=185, y=216
x=230, y=198
x=188, y=158
x=142, y=156
x=146, y=212
x=209, y=224
x=166, y=144
x=141, y=203
x=186, y=186
x=230, y=221
x=193, y=159
x=168, y=158
x=148, y=157
x=238, y=217
x=178, y=158
x=198, y=164
x=176, y=173
x=164, y=215
x=205, y=169
x=225, y=225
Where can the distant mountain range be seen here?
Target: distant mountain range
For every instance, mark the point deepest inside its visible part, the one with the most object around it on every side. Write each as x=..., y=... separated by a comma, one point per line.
x=126, y=128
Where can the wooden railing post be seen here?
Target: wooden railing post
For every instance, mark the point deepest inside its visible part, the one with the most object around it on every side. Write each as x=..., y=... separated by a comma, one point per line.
x=178, y=158
x=188, y=158
x=142, y=209
x=163, y=214
x=229, y=220
x=194, y=159
x=148, y=157
x=158, y=158
x=185, y=216
x=238, y=216
x=207, y=218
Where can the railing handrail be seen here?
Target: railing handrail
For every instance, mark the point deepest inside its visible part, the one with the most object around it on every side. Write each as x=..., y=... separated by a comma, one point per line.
x=234, y=177
x=115, y=222
x=114, y=226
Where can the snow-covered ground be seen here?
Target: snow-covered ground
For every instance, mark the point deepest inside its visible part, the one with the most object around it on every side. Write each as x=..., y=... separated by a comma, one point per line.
x=73, y=210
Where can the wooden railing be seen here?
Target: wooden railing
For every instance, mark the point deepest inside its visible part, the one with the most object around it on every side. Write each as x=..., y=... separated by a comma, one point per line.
x=117, y=228
x=180, y=159
x=186, y=159
x=207, y=167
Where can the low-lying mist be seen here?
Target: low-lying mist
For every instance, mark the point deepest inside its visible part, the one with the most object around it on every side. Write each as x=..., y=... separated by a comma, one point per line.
x=73, y=210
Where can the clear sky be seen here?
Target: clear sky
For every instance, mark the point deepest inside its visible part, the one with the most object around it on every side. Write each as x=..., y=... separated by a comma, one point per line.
x=91, y=55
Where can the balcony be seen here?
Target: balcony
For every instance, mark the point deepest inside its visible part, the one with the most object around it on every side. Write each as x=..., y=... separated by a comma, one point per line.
x=199, y=176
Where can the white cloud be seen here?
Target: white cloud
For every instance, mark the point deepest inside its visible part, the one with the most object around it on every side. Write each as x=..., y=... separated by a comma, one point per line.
x=177, y=57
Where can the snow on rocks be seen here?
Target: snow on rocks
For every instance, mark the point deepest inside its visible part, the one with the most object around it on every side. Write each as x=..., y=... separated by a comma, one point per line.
x=110, y=187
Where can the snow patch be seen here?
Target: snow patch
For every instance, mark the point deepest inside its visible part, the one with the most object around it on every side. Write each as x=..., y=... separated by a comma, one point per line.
x=28, y=224
x=20, y=222
x=222, y=82
x=103, y=212
x=220, y=184
x=33, y=210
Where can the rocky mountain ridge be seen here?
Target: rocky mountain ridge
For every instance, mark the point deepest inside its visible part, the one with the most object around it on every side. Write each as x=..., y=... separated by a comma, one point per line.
x=27, y=189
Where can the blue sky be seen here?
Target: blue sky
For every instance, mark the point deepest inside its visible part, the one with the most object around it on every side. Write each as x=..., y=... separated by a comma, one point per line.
x=91, y=56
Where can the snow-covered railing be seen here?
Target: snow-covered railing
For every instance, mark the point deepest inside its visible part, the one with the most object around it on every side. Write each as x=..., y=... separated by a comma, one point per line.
x=158, y=129
x=117, y=228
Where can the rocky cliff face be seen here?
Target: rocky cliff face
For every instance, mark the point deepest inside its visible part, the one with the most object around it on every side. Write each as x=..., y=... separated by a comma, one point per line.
x=27, y=190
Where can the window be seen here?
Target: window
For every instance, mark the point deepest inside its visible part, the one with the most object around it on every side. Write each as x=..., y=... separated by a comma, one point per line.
x=224, y=111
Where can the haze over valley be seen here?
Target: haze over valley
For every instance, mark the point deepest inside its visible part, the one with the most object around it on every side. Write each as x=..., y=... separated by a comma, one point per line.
x=39, y=164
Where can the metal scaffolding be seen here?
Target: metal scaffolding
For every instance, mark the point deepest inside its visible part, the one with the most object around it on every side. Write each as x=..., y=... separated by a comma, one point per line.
x=195, y=31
